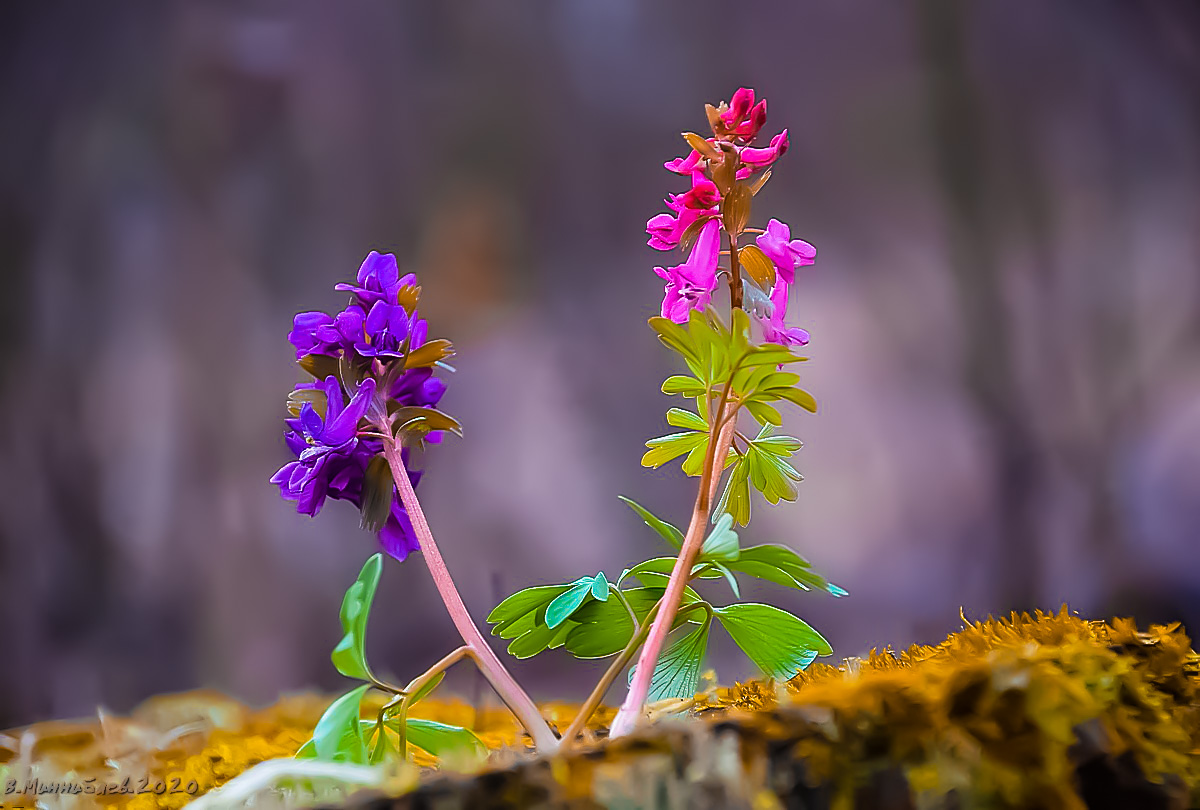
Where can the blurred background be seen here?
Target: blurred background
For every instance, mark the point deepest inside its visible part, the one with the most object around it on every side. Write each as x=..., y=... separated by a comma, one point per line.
x=1005, y=313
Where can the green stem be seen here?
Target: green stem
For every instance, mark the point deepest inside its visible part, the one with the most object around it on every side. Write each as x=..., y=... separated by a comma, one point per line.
x=418, y=683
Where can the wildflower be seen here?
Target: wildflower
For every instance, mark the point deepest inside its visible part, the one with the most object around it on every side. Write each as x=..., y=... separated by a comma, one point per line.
x=378, y=280
x=325, y=446
x=761, y=158
x=690, y=285
x=383, y=331
x=744, y=118
x=775, y=330
x=786, y=253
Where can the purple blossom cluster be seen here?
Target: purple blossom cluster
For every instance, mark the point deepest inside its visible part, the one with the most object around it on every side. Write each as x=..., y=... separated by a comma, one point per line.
x=697, y=216
x=334, y=425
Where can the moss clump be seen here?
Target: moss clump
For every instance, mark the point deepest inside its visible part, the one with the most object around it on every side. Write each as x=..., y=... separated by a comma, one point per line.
x=1044, y=711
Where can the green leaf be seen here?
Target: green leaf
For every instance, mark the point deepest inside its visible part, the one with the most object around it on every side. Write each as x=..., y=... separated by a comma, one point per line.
x=657, y=565
x=522, y=603
x=677, y=673
x=678, y=417
x=564, y=605
x=764, y=413
x=338, y=736
x=675, y=337
x=443, y=740
x=349, y=656
x=665, y=448
x=730, y=578
x=721, y=545
x=799, y=397
x=424, y=691
x=540, y=638
x=735, y=499
x=307, y=751
x=779, y=643
x=665, y=530
x=420, y=421
x=684, y=385
x=783, y=566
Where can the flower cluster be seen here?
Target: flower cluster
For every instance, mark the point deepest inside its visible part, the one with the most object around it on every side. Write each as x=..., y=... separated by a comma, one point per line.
x=726, y=171
x=369, y=362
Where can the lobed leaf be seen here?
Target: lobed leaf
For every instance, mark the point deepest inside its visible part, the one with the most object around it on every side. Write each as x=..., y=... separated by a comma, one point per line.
x=778, y=643
x=665, y=530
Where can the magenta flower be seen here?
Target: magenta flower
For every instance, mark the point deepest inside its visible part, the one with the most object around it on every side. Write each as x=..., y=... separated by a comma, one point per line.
x=775, y=330
x=744, y=118
x=786, y=253
x=690, y=285
x=688, y=165
x=761, y=158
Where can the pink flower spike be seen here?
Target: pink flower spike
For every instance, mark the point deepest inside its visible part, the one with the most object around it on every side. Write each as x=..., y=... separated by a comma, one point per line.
x=739, y=108
x=666, y=231
x=703, y=195
x=786, y=253
x=760, y=158
x=690, y=285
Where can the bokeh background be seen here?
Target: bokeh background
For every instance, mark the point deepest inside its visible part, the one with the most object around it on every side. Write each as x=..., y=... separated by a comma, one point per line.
x=1005, y=313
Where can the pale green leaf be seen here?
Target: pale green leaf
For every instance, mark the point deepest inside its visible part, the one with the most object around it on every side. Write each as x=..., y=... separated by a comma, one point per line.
x=778, y=643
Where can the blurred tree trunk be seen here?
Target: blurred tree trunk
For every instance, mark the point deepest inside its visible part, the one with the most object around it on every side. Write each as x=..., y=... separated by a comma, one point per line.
x=989, y=375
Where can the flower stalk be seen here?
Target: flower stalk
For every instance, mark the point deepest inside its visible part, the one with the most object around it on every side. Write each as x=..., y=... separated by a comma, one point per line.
x=518, y=702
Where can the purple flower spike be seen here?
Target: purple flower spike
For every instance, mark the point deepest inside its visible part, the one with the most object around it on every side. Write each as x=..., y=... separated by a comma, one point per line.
x=327, y=447
x=378, y=280
x=384, y=331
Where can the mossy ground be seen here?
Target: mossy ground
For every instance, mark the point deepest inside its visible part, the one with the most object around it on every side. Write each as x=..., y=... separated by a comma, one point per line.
x=1011, y=710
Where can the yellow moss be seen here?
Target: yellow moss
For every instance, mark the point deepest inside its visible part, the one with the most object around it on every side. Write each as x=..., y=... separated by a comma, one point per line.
x=994, y=709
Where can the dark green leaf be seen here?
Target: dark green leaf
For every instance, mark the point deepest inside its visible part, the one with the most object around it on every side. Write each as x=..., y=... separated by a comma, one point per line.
x=665, y=530
x=736, y=498
x=349, y=656
x=319, y=365
x=799, y=397
x=779, y=643
x=782, y=565
x=538, y=639
x=420, y=421
x=378, y=489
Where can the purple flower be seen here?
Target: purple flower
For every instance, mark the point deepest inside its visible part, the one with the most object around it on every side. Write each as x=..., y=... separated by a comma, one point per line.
x=690, y=285
x=775, y=330
x=785, y=252
x=319, y=333
x=325, y=447
x=378, y=280
x=383, y=331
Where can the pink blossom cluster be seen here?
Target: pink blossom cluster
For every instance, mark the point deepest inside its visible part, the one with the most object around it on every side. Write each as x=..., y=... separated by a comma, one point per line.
x=698, y=218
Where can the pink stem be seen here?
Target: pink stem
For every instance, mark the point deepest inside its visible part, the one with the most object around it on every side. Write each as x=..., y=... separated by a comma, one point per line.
x=693, y=539
x=510, y=692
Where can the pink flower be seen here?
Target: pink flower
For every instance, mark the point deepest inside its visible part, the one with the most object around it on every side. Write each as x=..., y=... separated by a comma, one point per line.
x=666, y=231
x=775, y=330
x=744, y=118
x=688, y=165
x=785, y=252
x=703, y=195
x=690, y=285
x=760, y=158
